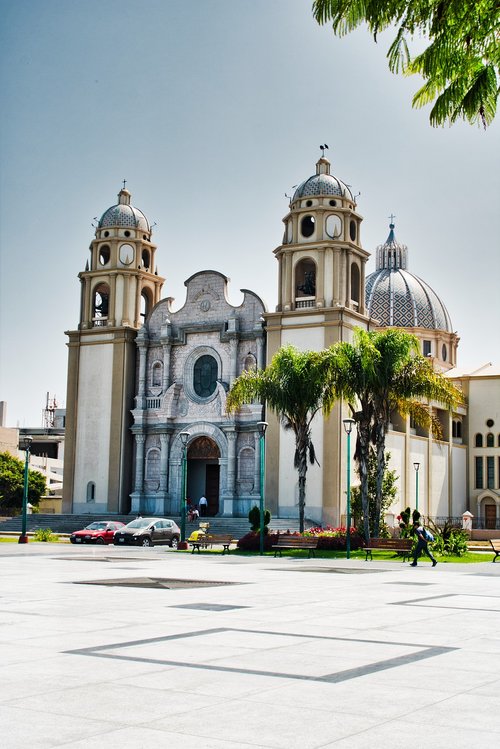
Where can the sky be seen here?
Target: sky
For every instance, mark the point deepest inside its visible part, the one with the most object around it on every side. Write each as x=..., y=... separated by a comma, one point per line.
x=212, y=110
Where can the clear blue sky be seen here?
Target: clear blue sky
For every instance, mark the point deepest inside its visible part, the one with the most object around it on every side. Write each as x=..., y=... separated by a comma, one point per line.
x=212, y=110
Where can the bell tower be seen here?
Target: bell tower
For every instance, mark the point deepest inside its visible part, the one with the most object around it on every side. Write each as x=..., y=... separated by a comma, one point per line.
x=321, y=299
x=119, y=287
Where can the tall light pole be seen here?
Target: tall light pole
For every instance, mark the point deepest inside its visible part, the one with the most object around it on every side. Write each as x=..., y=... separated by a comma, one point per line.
x=184, y=439
x=262, y=429
x=348, y=425
x=23, y=538
x=416, y=466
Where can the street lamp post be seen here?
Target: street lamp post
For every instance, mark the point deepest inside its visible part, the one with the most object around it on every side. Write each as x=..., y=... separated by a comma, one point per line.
x=184, y=439
x=23, y=538
x=348, y=425
x=416, y=466
x=262, y=429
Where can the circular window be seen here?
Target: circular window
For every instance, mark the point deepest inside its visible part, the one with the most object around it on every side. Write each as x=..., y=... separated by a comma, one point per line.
x=205, y=376
x=127, y=254
x=307, y=226
x=444, y=352
x=309, y=203
x=333, y=202
x=127, y=233
x=106, y=233
x=104, y=254
x=333, y=226
x=490, y=423
x=352, y=230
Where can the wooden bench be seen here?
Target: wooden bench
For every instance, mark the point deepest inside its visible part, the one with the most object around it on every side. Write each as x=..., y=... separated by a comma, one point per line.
x=399, y=545
x=286, y=541
x=495, y=545
x=210, y=540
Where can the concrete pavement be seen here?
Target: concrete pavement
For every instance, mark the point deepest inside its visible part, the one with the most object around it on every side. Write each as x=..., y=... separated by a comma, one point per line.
x=111, y=647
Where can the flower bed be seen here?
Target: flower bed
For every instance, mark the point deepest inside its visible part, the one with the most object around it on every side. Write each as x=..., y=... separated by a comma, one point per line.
x=329, y=539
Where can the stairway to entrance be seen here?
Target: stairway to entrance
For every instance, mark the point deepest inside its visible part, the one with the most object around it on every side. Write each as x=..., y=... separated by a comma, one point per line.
x=238, y=527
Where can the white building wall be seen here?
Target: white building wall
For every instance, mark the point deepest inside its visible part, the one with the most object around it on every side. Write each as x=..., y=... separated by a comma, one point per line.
x=438, y=500
x=94, y=426
x=459, y=486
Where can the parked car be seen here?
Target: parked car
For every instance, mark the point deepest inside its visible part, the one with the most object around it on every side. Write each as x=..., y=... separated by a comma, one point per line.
x=98, y=532
x=148, y=532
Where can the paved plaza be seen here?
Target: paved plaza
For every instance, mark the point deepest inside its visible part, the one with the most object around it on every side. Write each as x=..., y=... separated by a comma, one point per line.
x=118, y=648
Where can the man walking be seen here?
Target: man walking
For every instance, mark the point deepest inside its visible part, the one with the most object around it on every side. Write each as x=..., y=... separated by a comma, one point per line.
x=203, y=504
x=422, y=544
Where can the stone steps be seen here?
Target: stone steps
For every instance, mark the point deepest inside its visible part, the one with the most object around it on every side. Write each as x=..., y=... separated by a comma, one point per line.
x=238, y=527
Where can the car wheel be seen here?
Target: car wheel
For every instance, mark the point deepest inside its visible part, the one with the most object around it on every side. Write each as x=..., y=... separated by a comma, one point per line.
x=99, y=540
x=174, y=542
x=146, y=541
x=72, y=540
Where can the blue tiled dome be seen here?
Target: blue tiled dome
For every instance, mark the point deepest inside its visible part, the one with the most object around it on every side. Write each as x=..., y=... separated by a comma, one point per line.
x=395, y=297
x=124, y=214
x=322, y=183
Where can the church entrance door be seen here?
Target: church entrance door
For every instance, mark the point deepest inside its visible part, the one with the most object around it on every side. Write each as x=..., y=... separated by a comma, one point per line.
x=490, y=516
x=204, y=473
x=212, y=488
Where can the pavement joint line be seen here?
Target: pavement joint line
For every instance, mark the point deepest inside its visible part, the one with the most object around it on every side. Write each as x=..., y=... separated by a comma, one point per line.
x=414, y=602
x=425, y=651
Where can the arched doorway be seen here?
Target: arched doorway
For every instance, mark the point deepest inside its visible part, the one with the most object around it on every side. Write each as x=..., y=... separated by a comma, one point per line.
x=203, y=473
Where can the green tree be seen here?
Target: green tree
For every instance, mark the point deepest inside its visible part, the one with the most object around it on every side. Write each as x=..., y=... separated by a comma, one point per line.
x=376, y=374
x=389, y=492
x=460, y=66
x=293, y=386
x=12, y=482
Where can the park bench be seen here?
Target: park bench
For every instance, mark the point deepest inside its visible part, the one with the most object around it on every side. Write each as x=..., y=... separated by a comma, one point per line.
x=495, y=545
x=286, y=541
x=211, y=540
x=399, y=545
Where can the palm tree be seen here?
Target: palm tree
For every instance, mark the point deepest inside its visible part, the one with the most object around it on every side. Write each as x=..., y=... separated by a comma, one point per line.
x=376, y=374
x=293, y=386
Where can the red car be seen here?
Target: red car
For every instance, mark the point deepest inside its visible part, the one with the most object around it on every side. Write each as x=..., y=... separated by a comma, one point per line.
x=99, y=532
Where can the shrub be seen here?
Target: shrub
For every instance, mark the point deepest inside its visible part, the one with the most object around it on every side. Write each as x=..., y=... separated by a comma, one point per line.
x=45, y=534
x=254, y=519
x=450, y=541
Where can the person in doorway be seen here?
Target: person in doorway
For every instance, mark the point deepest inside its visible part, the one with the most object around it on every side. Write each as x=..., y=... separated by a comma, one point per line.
x=203, y=505
x=422, y=544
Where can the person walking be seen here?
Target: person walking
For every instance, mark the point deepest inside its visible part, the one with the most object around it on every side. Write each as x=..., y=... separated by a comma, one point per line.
x=203, y=504
x=422, y=544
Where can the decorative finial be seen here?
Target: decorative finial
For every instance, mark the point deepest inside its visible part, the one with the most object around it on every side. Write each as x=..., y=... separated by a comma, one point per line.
x=391, y=219
x=124, y=183
x=323, y=147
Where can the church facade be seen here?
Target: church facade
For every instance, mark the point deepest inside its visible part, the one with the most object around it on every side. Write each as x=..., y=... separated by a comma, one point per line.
x=143, y=377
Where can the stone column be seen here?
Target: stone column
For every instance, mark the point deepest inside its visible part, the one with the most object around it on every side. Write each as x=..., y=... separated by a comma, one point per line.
x=142, y=345
x=256, y=473
x=139, y=462
x=231, y=463
x=164, y=442
x=233, y=348
x=166, y=342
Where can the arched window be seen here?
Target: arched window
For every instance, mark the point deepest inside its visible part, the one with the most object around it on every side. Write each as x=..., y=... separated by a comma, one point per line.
x=490, y=440
x=100, y=304
x=250, y=363
x=246, y=464
x=157, y=374
x=305, y=278
x=153, y=465
x=205, y=376
x=355, y=283
x=479, y=440
x=91, y=491
x=145, y=304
